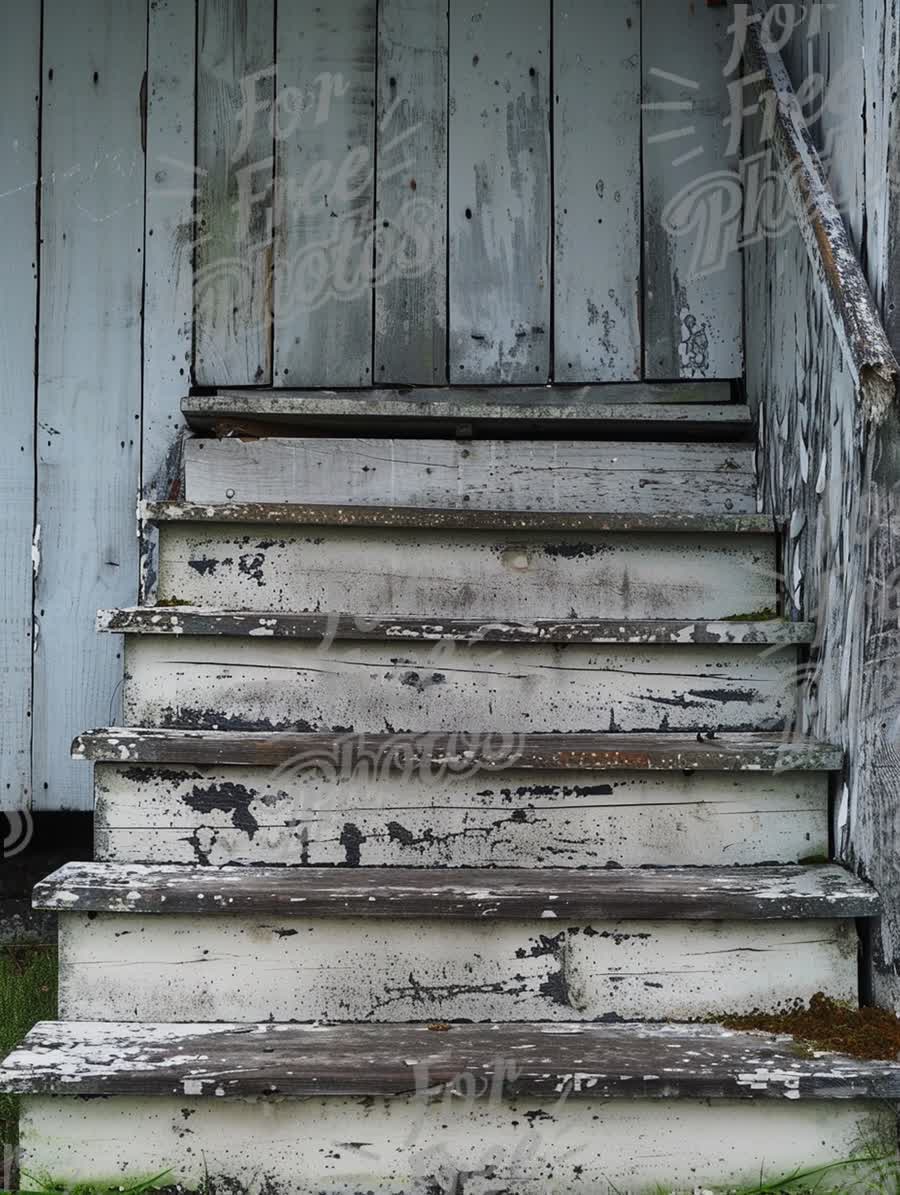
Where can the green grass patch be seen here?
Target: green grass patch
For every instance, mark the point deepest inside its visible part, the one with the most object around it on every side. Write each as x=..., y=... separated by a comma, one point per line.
x=27, y=995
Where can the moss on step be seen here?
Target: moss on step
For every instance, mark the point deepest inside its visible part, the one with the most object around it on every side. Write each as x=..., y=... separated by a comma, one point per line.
x=765, y=615
x=827, y=1024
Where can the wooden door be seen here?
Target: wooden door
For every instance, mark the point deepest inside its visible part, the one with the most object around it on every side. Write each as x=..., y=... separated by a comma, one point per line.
x=472, y=192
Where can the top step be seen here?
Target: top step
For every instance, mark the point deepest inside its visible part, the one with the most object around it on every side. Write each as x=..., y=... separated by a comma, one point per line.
x=675, y=411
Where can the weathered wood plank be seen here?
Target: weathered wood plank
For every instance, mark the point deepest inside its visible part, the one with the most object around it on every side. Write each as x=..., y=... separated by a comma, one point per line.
x=249, y=816
x=499, y=207
x=326, y=193
x=290, y=966
x=597, y=185
x=457, y=574
x=569, y=475
x=168, y=260
x=539, y=752
x=612, y=1061
x=692, y=265
x=364, y=688
x=233, y=283
x=412, y=1140
x=665, y=893
x=20, y=73
x=411, y=144
x=89, y=368
x=286, y=514
x=187, y=620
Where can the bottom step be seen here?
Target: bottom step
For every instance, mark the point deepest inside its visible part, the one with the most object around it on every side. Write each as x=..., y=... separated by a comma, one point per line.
x=413, y=1109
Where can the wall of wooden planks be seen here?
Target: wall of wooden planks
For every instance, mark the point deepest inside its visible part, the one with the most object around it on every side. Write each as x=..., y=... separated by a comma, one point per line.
x=454, y=144
x=834, y=476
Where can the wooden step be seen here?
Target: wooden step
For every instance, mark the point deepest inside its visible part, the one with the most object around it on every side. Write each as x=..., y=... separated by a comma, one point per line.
x=588, y=1062
x=734, y=894
x=159, y=813
x=510, y=475
x=532, y=1108
x=686, y=411
x=275, y=624
x=462, y=564
x=365, y=688
x=526, y=752
x=357, y=944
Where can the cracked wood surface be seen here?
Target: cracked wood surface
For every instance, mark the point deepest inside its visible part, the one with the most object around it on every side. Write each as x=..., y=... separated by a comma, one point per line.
x=489, y=752
x=583, y=1061
x=154, y=813
x=563, y=475
x=757, y=893
x=188, y=620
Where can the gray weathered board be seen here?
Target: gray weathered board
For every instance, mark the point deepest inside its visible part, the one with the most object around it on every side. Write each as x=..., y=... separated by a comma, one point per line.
x=564, y=475
x=20, y=69
x=364, y=688
x=168, y=239
x=411, y=193
x=233, y=285
x=587, y=1062
x=513, y=574
x=692, y=205
x=500, y=279
x=294, y=965
x=462, y=751
x=325, y=185
x=250, y=815
x=597, y=190
x=89, y=369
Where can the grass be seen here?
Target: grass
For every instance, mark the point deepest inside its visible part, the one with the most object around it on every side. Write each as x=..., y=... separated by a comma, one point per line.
x=27, y=995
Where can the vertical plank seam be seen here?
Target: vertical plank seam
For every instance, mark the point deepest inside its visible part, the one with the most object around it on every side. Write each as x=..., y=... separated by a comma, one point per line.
x=447, y=371
x=143, y=334
x=273, y=314
x=376, y=191
x=195, y=200
x=642, y=209
x=551, y=167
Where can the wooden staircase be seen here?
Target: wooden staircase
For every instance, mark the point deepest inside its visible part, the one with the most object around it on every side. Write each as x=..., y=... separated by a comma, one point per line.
x=458, y=793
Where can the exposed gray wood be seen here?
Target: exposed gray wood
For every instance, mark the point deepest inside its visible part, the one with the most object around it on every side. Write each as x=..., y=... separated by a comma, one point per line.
x=294, y=514
x=186, y=620
x=499, y=206
x=608, y=1061
x=665, y=893
x=300, y=968
x=20, y=71
x=411, y=244
x=152, y=813
x=233, y=283
x=326, y=193
x=530, y=752
x=569, y=475
x=523, y=574
x=854, y=317
x=302, y=685
x=692, y=265
x=597, y=184
x=89, y=369
x=168, y=238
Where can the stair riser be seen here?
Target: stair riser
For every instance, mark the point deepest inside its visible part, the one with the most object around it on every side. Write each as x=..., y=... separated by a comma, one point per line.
x=569, y=476
x=439, y=819
x=452, y=574
x=258, y=684
x=412, y=1146
x=165, y=968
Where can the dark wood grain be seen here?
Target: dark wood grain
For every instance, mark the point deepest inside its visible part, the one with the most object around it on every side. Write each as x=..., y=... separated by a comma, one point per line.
x=666, y=893
x=464, y=751
x=629, y=1061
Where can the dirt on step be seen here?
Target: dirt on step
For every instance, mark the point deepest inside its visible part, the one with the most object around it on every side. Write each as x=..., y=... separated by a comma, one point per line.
x=869, y=1033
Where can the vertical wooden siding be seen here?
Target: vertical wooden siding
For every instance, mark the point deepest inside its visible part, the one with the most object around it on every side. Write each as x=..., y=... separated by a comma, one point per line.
x=19, y=91
x=89, y=370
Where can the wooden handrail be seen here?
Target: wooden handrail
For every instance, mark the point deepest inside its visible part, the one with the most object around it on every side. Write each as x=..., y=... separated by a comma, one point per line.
x=857, y=323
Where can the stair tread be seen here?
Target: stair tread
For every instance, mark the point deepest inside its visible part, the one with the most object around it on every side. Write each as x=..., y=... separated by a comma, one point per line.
x=489, y=752
x=666, y=893
x=298, y=514
x=687, y=409
x=588, y=1061
x=193, y=620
